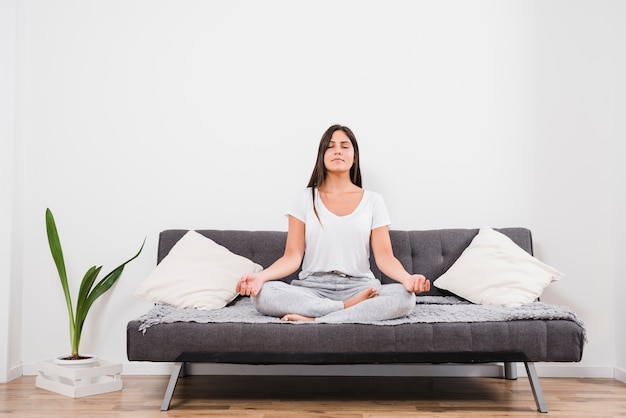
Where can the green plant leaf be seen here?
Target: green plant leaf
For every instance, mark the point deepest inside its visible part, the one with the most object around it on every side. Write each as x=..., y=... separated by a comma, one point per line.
x=98, y=290
x=86, y=284
x=109, y=280
x=87, y=293
x=57, y=255
x=85, y=287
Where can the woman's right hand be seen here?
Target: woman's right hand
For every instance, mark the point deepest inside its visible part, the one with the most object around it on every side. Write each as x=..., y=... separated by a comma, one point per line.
x=250, y=284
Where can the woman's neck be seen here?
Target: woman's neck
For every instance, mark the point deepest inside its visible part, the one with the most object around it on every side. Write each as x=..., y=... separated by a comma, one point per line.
x=337, y=184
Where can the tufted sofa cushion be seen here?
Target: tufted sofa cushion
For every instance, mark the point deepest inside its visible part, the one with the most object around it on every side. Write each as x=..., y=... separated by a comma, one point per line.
x=430, y=253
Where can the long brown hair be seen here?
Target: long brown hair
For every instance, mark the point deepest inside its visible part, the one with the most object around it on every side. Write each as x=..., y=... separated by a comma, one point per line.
x=319, y=171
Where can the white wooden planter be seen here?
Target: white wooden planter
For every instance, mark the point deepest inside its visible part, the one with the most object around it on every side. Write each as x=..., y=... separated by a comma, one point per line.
x=76, y=382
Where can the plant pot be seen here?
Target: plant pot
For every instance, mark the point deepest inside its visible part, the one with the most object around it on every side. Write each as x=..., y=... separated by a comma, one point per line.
x=76, y=380
x=86, y=360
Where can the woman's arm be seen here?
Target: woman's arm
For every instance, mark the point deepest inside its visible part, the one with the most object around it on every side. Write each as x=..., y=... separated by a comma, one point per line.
x=391, y=266
x=251, y=283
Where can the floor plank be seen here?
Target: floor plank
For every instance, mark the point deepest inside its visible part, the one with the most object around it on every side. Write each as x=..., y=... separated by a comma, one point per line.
x=323, y=397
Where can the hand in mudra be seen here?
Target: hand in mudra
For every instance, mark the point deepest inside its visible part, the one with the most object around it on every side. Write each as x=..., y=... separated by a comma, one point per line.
x=417, y=283
x=249, y=285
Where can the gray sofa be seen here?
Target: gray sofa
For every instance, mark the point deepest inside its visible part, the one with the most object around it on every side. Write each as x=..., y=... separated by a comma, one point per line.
x=426, y=252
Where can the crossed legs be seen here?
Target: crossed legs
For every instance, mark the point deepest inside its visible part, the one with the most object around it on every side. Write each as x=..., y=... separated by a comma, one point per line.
x=332, y=298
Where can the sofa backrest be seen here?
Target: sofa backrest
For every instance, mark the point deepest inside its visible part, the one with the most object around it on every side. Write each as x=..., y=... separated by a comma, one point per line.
x=430, y=253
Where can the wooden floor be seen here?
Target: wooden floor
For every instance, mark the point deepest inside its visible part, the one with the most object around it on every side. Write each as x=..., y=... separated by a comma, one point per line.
x=341, y=397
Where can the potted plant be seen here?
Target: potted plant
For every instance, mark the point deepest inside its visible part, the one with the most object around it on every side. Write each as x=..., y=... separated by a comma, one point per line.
x=87, y=294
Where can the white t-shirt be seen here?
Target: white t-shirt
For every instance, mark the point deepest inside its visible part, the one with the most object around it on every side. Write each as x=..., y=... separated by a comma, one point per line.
x=338, y=243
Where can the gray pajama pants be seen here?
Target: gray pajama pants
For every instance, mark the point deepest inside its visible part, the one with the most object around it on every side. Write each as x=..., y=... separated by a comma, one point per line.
x=321, y=296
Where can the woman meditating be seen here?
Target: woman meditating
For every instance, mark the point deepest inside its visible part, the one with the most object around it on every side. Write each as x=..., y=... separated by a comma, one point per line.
x=332, y=224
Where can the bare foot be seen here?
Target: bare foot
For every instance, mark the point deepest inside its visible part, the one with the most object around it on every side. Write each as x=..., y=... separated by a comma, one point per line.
x=296, y=317
x=372, y=292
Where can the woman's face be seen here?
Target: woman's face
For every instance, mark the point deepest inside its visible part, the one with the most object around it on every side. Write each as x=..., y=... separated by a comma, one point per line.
x=339, y=155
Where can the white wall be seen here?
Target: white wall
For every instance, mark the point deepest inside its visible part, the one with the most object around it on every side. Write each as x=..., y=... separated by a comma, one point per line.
x=620, y=240
x=618, y=99
x=133, y=117
x=10, y=290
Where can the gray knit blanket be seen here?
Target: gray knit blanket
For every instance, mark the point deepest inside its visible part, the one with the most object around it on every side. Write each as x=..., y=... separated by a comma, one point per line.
x=428, y=309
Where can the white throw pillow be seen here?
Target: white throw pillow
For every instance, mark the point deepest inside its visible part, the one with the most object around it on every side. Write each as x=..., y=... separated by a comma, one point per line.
x=197, y=273
x=493, y=270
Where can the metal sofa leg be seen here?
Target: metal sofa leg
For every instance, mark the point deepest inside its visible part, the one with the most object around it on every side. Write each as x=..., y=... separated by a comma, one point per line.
x=510, y=370
x=169, y=391
x=536, y=387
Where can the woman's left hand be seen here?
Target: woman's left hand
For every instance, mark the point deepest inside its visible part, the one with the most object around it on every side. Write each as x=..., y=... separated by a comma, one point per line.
x=417, y=283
